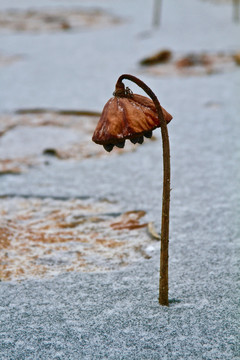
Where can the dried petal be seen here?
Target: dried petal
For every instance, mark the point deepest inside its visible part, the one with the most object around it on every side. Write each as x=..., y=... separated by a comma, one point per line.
x=128, y=117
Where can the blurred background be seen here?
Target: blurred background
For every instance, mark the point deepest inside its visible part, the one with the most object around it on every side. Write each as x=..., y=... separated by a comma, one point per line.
x=68, y=54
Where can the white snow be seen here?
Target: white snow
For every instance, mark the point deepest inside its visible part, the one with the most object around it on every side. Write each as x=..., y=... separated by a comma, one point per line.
x=116, y=315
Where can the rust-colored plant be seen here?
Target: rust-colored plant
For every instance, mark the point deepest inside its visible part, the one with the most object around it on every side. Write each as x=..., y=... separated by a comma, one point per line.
x=131, y=116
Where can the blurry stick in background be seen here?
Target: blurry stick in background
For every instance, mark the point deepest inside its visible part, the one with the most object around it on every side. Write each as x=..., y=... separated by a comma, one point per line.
x=157, y=12
x=236, y=8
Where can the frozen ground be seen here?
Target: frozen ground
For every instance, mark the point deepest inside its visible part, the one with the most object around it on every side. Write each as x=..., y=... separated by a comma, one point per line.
x=115, y=315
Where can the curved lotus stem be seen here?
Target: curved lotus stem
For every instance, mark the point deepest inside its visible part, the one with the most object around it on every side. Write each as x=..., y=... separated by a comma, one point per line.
x=163, y=282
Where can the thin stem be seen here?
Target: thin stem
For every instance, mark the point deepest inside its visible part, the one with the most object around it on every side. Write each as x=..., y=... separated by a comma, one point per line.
x=236, y=7
x=163, y=282
x=157, y=12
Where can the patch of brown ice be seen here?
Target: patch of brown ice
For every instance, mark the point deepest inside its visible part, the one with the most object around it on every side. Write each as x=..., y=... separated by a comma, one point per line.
x=52, y=20
x=191, y=64
x=45, y=237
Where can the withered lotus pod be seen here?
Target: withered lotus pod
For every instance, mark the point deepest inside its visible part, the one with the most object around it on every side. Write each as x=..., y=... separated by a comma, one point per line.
x=127, y=116
x=130, y=116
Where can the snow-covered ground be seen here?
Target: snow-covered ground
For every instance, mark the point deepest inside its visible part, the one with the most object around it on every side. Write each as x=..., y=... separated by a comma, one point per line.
x=116, y=315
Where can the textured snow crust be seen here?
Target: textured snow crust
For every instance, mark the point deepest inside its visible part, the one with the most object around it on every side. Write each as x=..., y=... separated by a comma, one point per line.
x=115, y=314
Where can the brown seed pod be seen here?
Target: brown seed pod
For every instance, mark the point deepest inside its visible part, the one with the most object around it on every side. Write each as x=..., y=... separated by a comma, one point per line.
x=127, y=117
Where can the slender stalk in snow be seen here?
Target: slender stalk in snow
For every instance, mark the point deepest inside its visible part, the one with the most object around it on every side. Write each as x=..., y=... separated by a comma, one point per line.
x=121, y=120
x=157, y=12
x=163, y=281
x=236, y=10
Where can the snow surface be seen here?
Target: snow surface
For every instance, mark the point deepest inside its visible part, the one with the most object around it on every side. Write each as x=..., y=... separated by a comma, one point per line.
x=116, y=315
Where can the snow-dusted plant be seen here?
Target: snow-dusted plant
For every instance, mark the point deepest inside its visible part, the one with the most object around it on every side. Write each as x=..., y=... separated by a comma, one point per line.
x=131, y=116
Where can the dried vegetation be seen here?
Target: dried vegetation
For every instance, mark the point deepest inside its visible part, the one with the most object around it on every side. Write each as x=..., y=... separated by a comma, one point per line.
x=167, y=63
x=32, y=137
x=52, y=20
x=45, y=237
